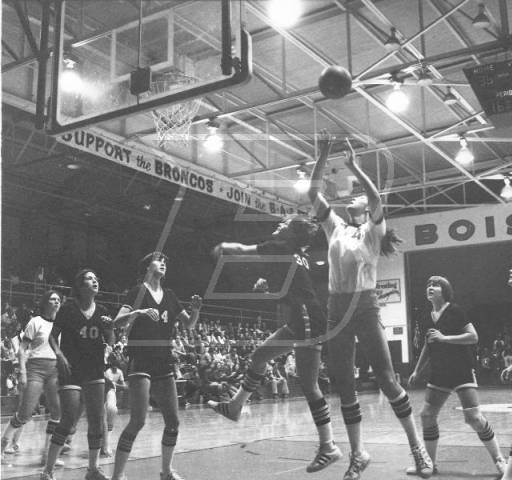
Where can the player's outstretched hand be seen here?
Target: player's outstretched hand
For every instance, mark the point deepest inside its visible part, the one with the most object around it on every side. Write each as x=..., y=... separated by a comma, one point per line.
x=151, y=313
x=196, y=302
x=325, y=140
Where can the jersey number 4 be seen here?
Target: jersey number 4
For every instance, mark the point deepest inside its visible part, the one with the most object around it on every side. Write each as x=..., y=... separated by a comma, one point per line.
x=90, y=332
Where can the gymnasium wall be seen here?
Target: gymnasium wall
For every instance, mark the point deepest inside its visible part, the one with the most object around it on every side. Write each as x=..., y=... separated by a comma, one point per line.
x=487, y=224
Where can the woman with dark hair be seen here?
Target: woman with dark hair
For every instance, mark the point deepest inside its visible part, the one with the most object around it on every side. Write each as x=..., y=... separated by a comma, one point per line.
x=84, y=326
x=354, y=248
x=151, y=312
x=303, y=323
x=38, y=372
x=449, y=351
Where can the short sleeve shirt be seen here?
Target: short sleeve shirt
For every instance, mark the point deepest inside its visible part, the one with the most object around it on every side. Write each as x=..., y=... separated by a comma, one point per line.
x=353, y=253
x=82, y=340
x=445, y=356
x=37, y=332
x=147, y=337
x=291, y=265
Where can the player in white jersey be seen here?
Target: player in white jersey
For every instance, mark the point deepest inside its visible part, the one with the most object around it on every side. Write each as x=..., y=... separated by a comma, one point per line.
x=353, y=253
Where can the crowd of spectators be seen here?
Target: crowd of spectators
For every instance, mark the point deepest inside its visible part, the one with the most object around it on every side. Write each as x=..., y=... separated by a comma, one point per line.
x=494, y=357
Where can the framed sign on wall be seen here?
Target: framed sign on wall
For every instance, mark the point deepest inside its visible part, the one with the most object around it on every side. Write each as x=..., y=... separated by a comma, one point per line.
x=388, y=291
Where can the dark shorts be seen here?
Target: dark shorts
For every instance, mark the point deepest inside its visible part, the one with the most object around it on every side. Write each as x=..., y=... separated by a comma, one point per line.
x=351, y=312
x=82, y=374
x=151, y=368
x=449, y=380
x=305, y=321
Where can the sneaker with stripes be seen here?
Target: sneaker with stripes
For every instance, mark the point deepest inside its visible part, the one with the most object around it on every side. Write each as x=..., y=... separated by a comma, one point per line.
x=324, y=458
x=225, y=409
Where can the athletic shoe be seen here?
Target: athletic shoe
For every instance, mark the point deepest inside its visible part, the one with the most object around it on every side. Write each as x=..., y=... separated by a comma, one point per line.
x=357, y=464
x=171, y=476
x=323, y=459
x=424, y=466
x=96, y=474
x=66, y=448
x=501, y=465
x=413, y=471
x=106, y=453
x=58, y=462
x=13, y=449
x=46, y=476
x=224, y=409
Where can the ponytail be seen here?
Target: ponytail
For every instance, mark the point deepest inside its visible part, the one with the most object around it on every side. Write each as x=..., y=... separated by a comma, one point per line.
x=389, y=243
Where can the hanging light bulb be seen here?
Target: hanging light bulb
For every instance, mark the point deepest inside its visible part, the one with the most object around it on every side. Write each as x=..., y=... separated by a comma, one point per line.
x=392, y=44
x=506, y=192
x=449, y=98
x=214, y=142
x=397, y=100
x=285, y=13
x=302, y=184
x=464, y=155
x=424, y=79
x=481, y=20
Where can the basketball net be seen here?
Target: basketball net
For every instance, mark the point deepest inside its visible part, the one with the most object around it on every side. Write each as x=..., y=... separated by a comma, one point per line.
x=173, y=122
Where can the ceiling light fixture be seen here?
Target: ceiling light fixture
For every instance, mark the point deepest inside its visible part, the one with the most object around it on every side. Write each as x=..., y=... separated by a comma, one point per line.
x=506, y=191
x=449, y=98
x=285, y=13
x=70, y=80
x=464, y=155
x=214, y=141
x=397, y=100
x=481, y=20
x=302, y=184
x=424, y=79
x=392, y=44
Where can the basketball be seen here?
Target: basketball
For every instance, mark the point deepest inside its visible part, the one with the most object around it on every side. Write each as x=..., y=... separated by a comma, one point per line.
x=335, y=82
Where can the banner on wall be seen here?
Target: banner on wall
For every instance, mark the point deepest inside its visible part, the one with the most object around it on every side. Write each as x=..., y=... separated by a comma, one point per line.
x=171, y=171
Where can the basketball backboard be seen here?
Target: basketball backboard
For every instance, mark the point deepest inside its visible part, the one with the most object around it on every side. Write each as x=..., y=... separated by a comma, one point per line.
x=120, y=57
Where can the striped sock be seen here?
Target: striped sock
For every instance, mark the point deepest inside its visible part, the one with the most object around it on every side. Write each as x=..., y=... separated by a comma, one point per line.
x=51, y=426
x=321, y=416
x=401, y=405
x=431, y=433
x=126, y=442
x=351, y=413
x=94, y=440
x=487, y=433
x=169, y=437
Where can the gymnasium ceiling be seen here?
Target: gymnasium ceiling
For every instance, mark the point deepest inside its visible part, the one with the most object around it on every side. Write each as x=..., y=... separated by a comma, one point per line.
x=270, y=123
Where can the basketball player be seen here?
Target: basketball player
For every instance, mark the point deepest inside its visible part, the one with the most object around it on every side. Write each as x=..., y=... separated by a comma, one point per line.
x=150, y=312
x=84, y=327
x=448, y=349
x=353, y=253
x=38, y=372
x=298, y=304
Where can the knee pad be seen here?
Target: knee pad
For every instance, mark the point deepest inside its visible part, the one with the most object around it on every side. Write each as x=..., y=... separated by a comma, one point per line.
x=60, y=434
x=126, y=441
x=402, y=406
x=169, y=437
x=16, y=421
x=474, y=418
x=351, y=414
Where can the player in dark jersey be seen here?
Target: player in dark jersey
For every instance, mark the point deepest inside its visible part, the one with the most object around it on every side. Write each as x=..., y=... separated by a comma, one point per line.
x=449, y=351
x=151, y=312
x=83, y=327
x=300, y=311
